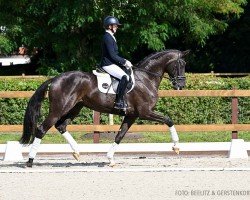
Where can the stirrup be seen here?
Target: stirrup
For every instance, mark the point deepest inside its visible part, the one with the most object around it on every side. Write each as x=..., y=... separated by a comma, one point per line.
x=121, y=105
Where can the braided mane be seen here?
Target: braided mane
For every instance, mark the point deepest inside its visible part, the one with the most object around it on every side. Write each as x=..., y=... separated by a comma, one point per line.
x=153, y=56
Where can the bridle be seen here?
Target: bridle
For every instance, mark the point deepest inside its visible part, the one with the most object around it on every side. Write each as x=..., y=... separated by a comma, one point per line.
x=174, y=79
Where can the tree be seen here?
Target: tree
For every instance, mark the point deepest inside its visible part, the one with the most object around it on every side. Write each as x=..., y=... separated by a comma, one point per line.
x=227, y=52
x=69, y=32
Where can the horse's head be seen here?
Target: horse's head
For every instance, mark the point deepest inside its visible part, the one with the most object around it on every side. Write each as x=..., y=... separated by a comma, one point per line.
x=170, y=61
x=176, y=69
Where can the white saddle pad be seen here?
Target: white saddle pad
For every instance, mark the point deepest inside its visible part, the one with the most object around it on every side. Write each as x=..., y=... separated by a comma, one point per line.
x=105, y=82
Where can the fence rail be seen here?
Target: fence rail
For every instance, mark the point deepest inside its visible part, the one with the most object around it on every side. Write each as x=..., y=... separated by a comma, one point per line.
x=204, y=93
x=141, y=128
x=97, y=128
x=161, y=93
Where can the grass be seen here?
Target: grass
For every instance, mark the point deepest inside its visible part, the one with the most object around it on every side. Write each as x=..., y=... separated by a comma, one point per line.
x=56, y=138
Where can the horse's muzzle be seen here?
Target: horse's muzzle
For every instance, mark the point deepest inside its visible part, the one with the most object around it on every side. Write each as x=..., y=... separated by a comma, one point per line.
x=179, y=82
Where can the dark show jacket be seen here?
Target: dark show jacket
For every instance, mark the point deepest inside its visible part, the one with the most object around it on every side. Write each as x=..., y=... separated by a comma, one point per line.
x=110, y=52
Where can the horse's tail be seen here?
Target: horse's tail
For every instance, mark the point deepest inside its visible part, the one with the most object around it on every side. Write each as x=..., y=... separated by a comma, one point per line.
x=32, y=113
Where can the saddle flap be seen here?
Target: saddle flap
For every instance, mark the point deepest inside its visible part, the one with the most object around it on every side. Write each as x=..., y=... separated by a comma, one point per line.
x=108, y=84
x=100, y=74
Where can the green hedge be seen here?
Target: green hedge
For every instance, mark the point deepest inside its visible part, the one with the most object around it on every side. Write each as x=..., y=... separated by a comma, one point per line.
x=183, y=110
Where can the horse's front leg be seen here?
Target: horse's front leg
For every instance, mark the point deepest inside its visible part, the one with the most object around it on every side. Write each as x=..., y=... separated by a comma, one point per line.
x=166, y=120
x=175, y=139
x=126, y=124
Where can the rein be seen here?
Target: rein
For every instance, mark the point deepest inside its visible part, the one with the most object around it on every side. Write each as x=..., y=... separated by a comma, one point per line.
x=147, y=71
x=174, y=79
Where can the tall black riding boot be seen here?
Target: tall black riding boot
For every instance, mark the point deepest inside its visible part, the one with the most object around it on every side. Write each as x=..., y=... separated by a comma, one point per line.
x=119, y=102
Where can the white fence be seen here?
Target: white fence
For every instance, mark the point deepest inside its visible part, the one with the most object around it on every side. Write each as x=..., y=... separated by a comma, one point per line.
x=134, y=147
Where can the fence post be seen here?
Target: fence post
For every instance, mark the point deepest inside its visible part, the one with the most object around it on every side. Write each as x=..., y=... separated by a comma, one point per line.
x=96, y=134
x=111, y=119
x=234, y=115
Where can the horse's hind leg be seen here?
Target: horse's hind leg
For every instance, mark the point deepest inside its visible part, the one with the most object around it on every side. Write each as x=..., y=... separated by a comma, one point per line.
x=126, y=124
x=55, y=113
x=61, y=125
x=40, y=133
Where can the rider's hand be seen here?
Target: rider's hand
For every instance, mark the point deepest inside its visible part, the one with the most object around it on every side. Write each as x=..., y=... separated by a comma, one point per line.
x=128, y=64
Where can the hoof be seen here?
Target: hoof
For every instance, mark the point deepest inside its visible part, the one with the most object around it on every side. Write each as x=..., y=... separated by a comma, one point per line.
x=176, y=150
x=76, y=156
x=112, y=164
x=29, y=163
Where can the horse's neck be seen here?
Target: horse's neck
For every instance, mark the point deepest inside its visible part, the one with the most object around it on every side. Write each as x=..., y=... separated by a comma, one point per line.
x=152, y=75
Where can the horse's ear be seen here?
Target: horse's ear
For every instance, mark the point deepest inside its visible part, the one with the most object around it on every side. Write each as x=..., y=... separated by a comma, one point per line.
x=184, y=53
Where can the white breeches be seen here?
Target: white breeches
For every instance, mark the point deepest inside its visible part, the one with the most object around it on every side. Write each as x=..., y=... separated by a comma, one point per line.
x=115, y=71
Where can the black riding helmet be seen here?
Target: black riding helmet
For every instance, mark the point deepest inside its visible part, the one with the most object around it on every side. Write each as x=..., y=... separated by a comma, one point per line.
x=110, y=20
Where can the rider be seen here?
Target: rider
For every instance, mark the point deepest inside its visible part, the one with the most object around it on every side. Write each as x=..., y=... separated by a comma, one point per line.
x=111, y=62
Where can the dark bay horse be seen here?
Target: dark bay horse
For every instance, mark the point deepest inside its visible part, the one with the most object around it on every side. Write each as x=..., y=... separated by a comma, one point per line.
x=70, y=91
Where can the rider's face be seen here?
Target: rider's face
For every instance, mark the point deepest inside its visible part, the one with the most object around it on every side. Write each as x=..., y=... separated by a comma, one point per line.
x=113, y=28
